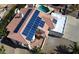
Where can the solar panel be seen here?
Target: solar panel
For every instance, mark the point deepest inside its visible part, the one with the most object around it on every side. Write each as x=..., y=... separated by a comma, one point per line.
x=29, y=38
x=31, y=27
x=41, y=24
x=33, y=30
x=22, y=21
x=37, y=20
x=25, y=32
x=54, y=21
x=31, y=22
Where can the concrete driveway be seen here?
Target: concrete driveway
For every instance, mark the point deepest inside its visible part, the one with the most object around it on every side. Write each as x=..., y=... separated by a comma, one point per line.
x=71, y=31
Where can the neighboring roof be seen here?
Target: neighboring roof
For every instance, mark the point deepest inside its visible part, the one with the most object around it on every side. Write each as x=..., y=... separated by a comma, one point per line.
x=60, y=24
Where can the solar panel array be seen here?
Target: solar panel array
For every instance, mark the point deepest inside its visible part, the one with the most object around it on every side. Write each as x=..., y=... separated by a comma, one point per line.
x=31, y=27
x=22, y=21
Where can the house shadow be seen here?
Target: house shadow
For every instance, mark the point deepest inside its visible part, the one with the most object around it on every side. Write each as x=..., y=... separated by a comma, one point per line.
x=54, y=36
x=10, y=43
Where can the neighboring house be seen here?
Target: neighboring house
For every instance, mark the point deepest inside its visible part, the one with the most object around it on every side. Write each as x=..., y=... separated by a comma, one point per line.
x=24, y=29
x=59, y=21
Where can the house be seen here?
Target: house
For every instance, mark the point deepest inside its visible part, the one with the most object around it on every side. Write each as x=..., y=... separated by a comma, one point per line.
x=59, y=22
x=30, y=27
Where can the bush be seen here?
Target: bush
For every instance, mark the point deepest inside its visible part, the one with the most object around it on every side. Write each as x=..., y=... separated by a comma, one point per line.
x=62, y=49
x=72, y=49
x=2, y=50
x=36, y=50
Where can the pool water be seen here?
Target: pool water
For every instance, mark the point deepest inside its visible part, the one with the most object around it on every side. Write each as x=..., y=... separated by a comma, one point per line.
x=43, y=8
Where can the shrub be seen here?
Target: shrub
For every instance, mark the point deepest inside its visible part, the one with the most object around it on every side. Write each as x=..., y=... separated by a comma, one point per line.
x=2, y=50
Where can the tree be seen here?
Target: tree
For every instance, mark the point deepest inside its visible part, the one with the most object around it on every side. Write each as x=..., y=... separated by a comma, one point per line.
x=63, y=49
x=75, y=48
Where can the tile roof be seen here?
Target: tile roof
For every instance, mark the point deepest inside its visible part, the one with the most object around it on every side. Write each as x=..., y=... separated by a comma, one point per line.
x=15, y=21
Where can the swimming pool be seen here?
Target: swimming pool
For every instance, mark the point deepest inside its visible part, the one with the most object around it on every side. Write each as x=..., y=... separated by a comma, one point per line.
x=43, y=8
